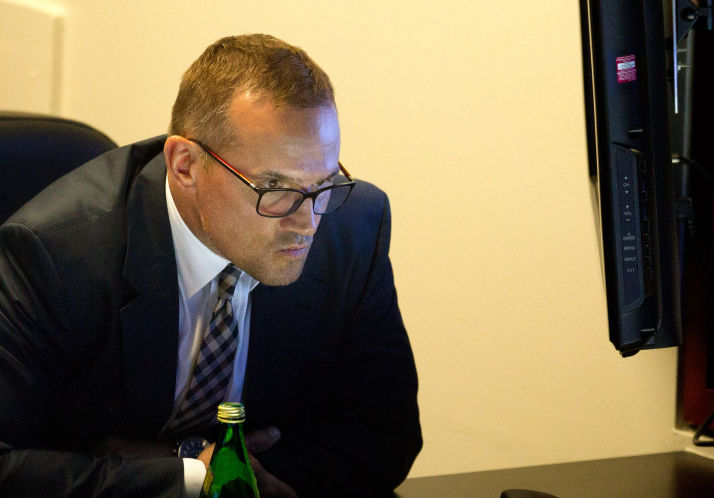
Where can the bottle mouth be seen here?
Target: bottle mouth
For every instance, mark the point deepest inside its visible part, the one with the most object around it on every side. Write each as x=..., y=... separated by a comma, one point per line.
x=231, y=413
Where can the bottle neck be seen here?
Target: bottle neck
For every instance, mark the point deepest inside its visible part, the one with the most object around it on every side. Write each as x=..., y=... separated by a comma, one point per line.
x=229, y=434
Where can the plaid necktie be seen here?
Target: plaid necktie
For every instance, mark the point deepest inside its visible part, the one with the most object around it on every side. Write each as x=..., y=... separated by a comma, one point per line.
x=214, y=366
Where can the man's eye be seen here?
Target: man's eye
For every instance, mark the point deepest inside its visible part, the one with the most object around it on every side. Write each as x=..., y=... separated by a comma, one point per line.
x=273, y=184
x=322, y=184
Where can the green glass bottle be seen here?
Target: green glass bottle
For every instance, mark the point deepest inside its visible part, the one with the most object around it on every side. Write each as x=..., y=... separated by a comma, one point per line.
x=229, y=474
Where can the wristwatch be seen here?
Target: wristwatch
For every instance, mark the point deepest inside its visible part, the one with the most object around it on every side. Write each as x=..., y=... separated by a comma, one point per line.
x=191, y=447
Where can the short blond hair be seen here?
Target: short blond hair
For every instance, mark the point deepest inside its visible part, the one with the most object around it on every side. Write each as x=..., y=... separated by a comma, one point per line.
x=256, y=63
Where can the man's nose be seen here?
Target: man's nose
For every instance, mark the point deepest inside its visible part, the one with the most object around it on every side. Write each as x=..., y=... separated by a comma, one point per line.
x=304, y=220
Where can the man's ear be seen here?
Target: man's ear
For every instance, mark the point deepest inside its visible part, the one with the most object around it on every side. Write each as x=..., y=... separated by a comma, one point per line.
x=183, y=158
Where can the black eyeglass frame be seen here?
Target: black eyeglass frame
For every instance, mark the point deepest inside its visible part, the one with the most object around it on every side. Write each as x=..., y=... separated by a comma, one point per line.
x=262, y=191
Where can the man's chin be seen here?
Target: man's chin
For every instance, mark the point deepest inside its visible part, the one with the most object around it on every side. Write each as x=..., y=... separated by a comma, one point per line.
x=277, y=277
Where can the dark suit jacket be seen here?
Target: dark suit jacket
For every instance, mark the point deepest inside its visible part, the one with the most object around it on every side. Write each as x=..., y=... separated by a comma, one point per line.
x=88, y=343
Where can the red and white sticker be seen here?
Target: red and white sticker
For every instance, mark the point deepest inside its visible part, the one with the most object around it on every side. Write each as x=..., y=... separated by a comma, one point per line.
x=626, y=69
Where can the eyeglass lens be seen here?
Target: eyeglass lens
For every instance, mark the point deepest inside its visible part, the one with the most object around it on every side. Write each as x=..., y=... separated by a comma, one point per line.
x=282, y=202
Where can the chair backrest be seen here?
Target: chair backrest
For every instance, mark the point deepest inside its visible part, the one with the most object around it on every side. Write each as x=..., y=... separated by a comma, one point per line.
x=35, y=150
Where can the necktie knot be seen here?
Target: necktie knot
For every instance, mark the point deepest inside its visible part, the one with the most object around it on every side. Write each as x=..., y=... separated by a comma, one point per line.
x=227, y=280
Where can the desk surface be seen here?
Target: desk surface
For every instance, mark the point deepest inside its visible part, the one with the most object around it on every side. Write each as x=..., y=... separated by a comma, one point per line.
x=663, y=475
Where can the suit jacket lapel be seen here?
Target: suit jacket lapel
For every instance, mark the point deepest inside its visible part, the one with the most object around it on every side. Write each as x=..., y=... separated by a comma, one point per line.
x=150, y=321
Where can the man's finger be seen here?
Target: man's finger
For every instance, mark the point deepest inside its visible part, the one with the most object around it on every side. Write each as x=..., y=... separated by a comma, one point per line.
x=262, y=439
x=269, y=485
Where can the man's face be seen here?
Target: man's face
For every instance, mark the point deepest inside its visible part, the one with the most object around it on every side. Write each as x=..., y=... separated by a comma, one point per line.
x=277, y=147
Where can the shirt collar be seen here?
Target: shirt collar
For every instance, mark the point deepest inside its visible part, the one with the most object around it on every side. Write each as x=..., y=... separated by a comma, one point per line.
x=197, y=265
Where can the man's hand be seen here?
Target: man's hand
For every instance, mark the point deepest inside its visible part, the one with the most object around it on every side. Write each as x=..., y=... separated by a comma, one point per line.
x=206, y=454
x=257, y=442
x=269, y=485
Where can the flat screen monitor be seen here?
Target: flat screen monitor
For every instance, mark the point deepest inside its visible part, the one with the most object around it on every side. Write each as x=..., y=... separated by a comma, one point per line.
x=630, y=160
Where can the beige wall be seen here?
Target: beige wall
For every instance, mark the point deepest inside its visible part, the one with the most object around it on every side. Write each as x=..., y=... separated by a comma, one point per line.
x=470, y=115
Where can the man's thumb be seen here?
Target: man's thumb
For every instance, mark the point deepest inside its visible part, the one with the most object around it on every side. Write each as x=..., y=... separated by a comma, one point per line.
x=262, y=439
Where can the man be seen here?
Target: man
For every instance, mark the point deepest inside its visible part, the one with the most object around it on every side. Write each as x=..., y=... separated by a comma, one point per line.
x=234, y=259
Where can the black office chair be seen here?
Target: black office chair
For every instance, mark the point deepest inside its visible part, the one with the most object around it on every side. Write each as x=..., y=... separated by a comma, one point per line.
x=35, y=150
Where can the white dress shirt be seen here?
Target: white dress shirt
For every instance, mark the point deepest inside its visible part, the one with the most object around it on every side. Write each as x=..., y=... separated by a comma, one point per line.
x=198, y=269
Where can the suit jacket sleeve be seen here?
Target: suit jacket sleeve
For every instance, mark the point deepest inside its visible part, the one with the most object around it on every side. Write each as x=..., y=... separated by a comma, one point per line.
x=43, y=473
x=39, y=350
x=364, y=439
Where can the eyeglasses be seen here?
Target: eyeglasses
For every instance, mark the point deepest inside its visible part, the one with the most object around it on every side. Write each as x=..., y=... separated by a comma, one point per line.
x=280, y=202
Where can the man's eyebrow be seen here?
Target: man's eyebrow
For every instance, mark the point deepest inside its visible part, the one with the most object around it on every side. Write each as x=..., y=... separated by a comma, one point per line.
x=277, y=175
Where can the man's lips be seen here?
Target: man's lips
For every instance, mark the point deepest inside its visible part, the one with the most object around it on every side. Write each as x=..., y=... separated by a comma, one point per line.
x=293, y=245
x=295, y=251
